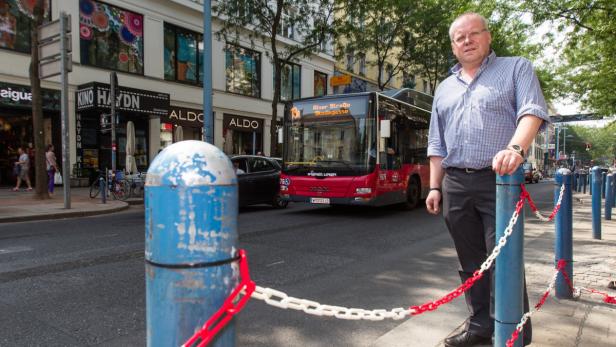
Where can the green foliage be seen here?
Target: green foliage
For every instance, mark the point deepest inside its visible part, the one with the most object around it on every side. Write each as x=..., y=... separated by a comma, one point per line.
x=265, y=21
x=602, y=141
x=589, y=49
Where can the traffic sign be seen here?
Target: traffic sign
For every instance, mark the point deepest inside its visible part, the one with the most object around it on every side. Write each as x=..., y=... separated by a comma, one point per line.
x=53, y=67
x=52, y=30
x=52, y=48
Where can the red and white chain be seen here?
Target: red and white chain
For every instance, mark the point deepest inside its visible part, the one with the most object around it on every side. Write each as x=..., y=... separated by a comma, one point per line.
x=526, y=316
x=554, y=211
x=282, y=300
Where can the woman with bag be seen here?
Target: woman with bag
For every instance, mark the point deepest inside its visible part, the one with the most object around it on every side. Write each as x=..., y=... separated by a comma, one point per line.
x=52, y=167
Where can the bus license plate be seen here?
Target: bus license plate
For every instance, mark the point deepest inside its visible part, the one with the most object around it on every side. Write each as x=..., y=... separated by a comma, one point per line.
x=319, y=200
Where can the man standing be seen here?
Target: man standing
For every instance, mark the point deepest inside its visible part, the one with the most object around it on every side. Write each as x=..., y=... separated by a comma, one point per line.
x=484, y=118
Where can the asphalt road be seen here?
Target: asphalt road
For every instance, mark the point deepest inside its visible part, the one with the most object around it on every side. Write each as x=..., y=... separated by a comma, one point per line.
x=80, y=281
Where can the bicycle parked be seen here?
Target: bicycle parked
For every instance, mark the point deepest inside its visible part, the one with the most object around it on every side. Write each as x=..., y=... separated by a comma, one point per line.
x=136, y=184
x=118, y=187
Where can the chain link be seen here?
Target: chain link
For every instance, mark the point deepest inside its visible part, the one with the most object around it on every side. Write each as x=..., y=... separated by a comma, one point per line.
x=554, y=211
x=281, y=300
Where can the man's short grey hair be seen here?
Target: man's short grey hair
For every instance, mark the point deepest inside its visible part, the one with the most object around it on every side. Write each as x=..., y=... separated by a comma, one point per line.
x=455, y=23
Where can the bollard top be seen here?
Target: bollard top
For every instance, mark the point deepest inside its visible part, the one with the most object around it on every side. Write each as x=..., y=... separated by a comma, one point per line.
x=563, y=175
x=191, y=163
x=516, y=178
x=596, y=168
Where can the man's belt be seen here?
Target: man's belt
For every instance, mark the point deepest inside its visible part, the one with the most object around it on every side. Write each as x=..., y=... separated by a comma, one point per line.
x=468, y=170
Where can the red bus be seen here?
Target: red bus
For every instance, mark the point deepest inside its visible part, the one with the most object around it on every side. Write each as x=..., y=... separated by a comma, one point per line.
x=357, y=149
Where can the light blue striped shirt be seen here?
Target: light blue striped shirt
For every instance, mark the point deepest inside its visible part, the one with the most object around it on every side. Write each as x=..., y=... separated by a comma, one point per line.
x=470, y=123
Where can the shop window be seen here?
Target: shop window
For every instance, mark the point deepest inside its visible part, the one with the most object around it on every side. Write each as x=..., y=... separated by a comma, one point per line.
x=183, y=55
x=243, y=69
x=16, y=24
x=320, y=83
x=290, y=83
x=110, y=37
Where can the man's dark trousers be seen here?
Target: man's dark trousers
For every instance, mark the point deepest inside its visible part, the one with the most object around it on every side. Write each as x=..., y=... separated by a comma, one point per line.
x=469, y=208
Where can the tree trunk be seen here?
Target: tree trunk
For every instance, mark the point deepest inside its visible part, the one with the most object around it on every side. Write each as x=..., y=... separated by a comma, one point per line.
x=275, y=101
x=40, y=168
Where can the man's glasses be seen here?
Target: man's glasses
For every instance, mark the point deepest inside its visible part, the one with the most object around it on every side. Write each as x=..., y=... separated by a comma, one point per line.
x=472, y=36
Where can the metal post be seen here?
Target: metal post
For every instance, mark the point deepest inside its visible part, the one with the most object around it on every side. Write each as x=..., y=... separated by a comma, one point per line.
x=509, y=275
x=613, y=192
x=596, y=203
x=113, y=85
x=66, y=155
x=102, y=183
x=575, y=180
x=190, y=241
x=208, y=114
x=609, y=196
x=563, y=246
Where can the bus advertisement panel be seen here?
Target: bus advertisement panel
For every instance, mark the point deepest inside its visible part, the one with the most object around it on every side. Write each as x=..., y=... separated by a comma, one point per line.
x=356, y=149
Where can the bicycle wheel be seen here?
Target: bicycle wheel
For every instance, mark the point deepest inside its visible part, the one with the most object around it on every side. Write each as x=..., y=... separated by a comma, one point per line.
x=94, y=189
x=121, y=190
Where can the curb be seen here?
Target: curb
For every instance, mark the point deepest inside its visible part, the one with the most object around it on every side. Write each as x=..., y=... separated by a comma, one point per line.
x=62, y=215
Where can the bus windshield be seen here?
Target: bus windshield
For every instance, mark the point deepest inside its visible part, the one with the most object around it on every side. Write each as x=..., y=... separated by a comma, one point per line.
x=330, y=136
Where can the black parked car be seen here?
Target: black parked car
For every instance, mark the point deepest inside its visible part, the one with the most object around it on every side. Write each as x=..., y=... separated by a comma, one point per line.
x=258, y=180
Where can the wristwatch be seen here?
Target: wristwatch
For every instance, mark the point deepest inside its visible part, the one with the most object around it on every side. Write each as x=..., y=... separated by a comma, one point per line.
x=516, y=148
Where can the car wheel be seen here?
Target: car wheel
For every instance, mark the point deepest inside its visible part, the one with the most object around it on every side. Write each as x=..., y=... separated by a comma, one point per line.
x=413, y=194
x=279, y=202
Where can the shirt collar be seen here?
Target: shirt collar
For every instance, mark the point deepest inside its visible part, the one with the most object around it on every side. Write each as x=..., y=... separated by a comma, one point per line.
x=457, y=69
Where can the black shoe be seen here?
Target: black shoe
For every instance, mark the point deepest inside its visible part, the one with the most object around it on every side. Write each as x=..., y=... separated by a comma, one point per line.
x=467, y=339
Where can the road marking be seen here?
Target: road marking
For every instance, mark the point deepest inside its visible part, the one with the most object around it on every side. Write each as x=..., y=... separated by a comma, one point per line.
x=15, y=249
x=275, y=263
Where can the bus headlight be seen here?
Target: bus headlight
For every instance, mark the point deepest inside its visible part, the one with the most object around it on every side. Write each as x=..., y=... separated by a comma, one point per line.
x=363, y=190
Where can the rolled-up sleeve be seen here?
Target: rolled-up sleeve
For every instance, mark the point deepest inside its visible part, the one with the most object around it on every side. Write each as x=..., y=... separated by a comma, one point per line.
x=436, y=139
x=529, y=97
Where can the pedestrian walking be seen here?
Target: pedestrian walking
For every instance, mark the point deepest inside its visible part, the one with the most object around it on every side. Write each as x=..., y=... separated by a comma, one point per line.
x=52, y=167
x=23, y=164
x=484, y=118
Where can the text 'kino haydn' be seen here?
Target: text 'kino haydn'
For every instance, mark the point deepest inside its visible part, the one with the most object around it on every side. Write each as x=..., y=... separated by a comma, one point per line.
x=103, y=98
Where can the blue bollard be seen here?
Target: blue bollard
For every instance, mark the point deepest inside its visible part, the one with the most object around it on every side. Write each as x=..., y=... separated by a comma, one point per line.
x=191, y=238
x=509, y=276
x=613, y=191
x=603, y=175
x=575, y=181
x=563, y=246
x=596, y=203
x=609, y=196
x=584, y=182
x=590, y=185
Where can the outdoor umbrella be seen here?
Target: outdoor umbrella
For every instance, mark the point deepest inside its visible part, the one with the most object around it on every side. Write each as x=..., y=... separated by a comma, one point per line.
x=179, y=134
x=131, y=165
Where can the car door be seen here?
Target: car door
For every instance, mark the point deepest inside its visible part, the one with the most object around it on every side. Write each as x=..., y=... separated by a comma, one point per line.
x=243, y=181
x=266, y=179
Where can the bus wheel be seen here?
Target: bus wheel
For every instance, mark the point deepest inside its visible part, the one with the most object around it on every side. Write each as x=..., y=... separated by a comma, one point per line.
x=413, y=194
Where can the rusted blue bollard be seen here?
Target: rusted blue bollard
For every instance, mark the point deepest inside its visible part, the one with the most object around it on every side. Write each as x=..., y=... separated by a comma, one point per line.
x=190, y=241
x=563, y=244
x=609, y=196
x=509, y=277
x=596, y=203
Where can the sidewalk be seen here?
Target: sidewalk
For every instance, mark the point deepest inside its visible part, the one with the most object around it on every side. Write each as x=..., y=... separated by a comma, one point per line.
x=585, y=321
x=22, y=206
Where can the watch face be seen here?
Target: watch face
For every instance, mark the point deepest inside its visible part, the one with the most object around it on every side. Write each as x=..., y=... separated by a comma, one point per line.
x=516, y=147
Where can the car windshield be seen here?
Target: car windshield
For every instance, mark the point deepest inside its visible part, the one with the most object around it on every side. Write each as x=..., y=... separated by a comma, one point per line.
x=330, y=135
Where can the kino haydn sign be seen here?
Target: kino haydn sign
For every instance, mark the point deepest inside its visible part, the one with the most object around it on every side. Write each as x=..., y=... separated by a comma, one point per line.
x=98, y=95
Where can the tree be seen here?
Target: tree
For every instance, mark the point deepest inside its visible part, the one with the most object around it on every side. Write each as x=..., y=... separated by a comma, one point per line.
x=375, y=27
x=309, y=21
x=586, y=31
x=40, y=168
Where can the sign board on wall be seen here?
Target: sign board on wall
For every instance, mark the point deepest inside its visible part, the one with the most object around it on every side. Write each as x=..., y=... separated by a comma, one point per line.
x=340, y=80
x=98, y=95
x=242, y=123
x=187, y=117
x=14, y=95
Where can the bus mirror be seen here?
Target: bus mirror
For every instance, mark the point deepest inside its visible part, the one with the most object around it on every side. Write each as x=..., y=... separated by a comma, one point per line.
x=385, y=128
x=280, y=137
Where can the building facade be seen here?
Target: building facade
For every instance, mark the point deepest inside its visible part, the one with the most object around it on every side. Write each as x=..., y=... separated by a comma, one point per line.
x=155, y=47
